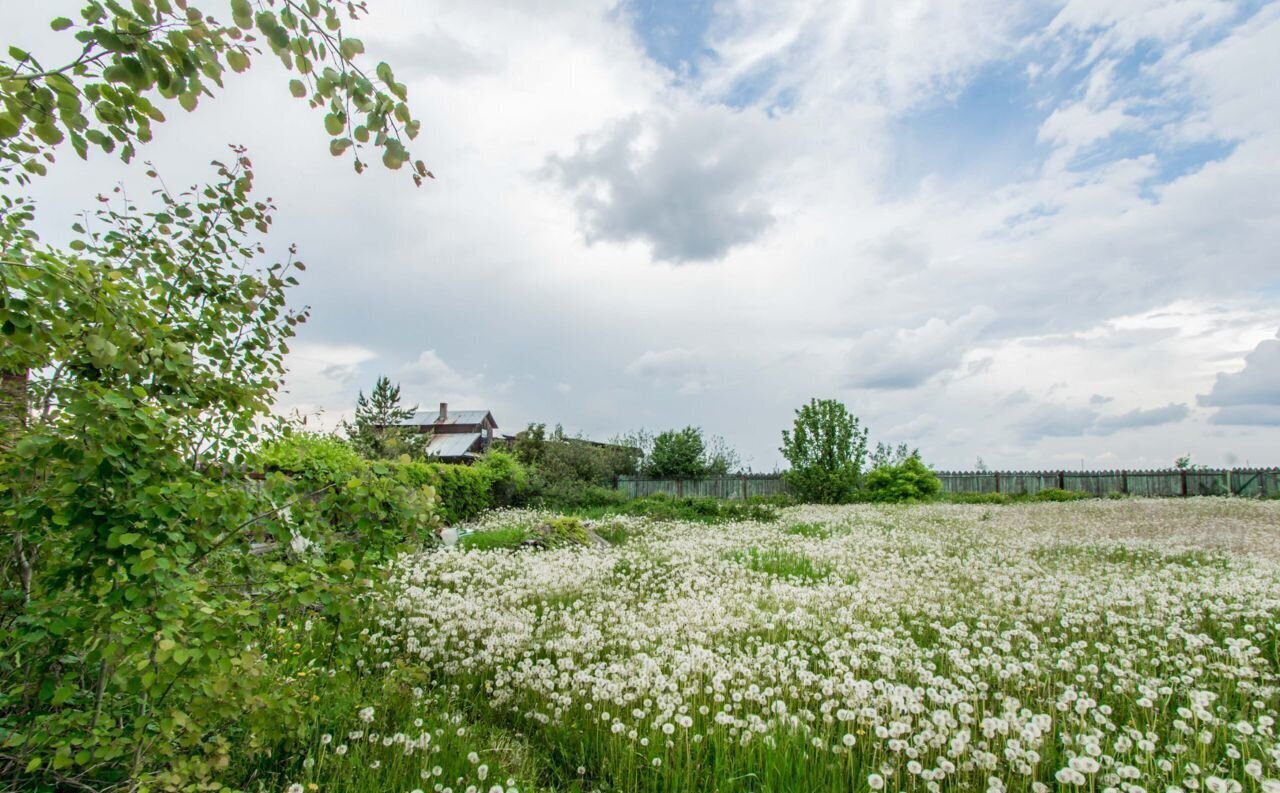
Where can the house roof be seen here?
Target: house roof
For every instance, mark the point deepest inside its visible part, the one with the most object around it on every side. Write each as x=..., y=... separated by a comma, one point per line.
x=455, y=445
x=456, y=417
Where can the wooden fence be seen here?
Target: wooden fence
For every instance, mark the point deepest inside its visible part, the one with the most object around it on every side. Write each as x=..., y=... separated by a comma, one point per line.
x=1174, y=482
x=1256, y=482
x=707, y=487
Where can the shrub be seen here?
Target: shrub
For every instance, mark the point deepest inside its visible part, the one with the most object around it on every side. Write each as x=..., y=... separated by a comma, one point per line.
x=1055, y=494
x=578, y=495
x=508, y=479
x=313, y=456
x=910, y=480
x=463, y=490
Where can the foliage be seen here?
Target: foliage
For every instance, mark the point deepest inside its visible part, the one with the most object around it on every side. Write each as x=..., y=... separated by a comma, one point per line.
x=577, y=495
x=826, y=448
x=136, y=59
x=677, y=454
x=569, y=471
x=140, y=553
x=463, y=490
x=313, y=456
x=1055, y=494
x=508, y=479
x=377, y=432
x=885, y=454
x=720, y=458
x=139, y=364
x=910, y=480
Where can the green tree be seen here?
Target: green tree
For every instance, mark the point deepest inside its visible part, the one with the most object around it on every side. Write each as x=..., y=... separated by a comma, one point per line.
x=885, y=454
x=531, y=444
x=677, y=454
x=378, y=433
x=139, y=366
x=826, y=448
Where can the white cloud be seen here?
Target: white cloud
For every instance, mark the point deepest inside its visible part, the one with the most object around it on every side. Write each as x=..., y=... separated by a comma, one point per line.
x=1121, y=272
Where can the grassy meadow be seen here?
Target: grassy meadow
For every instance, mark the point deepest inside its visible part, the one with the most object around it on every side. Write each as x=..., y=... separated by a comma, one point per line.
x=1128, y=645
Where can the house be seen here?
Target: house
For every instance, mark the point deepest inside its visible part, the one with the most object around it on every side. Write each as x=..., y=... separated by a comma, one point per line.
x=458, y=436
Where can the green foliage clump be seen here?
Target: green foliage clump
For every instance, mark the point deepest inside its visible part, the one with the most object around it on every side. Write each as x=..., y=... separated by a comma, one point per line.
x=826, y=448
x=1056, y=494
x=677, y=454
x=701, y=510
x=136, y=58
x=464, y=491
x=312, y=456
x=150, y=354
x=508, y=479
x=910, y=480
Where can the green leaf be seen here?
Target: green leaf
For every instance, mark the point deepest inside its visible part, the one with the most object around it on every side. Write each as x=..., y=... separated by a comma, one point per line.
x=128, y=538
x=237, y=60
x=339, y=146
x=242, y=13
x=188, y=101
x=351, y=48
x=61, y=23
x=297, y=88
x=333, y=124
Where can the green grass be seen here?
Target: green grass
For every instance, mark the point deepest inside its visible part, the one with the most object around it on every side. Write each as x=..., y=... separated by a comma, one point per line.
x=812, y=530
x=694, y=510
x=781, y=563
x=494, y=539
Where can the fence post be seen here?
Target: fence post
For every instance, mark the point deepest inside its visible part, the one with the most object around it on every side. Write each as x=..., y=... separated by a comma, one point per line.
x=1184, y=483
x=679, y=488
x=1062, y=480
x=1230, y=490
x=744, y=488
x=1124, y=482
x=997, y=481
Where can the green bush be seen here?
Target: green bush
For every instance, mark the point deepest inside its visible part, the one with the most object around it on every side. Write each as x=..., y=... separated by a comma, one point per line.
x=1055, y=494
x=463, y=490
x=508, y=479
x=312, y=456
x=910, y=480
x=578, y=495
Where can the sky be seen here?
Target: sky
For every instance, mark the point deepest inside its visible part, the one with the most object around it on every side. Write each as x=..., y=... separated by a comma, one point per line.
x=1046, y=234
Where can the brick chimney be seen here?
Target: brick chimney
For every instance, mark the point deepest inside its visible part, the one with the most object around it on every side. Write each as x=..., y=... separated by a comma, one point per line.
x=444, y=411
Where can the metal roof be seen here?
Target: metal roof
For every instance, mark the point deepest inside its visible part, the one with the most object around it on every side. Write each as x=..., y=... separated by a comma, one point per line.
x=430, y=418
x=453, y=445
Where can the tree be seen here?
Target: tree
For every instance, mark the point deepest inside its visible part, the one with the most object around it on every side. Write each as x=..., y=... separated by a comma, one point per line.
x=378, y=433
x=139, y=364
x=826, y=448
x=678, y=454
x=980, y=466
x=885, y=454
x=720, y=458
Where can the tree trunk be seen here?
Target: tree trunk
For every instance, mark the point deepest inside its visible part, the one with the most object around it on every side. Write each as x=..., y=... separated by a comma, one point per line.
x=13, y=406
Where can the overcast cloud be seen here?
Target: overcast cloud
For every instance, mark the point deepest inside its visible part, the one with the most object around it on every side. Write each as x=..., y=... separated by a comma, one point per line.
x=1042, y=233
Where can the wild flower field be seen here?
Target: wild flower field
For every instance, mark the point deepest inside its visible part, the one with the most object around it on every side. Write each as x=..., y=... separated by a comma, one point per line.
x=1106, y=645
